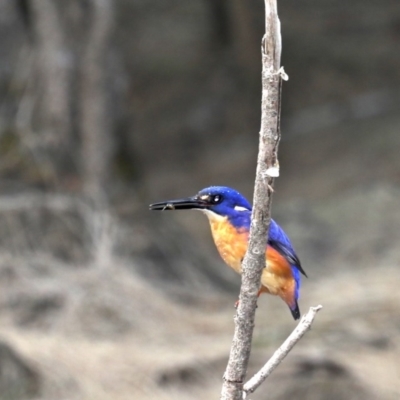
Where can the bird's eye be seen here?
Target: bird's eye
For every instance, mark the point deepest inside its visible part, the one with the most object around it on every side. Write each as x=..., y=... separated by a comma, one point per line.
x=216, y=199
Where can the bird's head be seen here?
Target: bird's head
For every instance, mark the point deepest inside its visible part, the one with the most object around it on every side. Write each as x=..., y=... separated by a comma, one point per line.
x=215, y=202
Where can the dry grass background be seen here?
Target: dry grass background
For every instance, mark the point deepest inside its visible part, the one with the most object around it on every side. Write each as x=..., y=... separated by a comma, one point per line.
x=105, y=331
x=173, y=351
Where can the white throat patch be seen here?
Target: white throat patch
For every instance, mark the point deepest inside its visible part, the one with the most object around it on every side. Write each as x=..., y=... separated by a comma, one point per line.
x=212, y=216
x=240, y=208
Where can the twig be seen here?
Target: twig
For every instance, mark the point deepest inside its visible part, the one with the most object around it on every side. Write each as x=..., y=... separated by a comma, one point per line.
x=303, y=326
x=254, y=260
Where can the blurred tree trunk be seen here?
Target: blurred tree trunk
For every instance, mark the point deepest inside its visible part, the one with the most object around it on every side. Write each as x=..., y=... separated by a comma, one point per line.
x=52, y=83
x=95, y=112
x=52, y=69
x=71, y=43
x=236, y=25
x=246, y=39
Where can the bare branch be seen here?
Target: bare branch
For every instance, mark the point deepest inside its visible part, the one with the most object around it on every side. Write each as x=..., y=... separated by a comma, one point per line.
x=303, y=326
x=254, y=260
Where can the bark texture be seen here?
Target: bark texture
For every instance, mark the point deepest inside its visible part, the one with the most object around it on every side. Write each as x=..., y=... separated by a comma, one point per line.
x=254, y=260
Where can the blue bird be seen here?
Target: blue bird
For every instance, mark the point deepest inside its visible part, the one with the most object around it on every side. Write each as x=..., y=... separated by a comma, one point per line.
x=229, y=214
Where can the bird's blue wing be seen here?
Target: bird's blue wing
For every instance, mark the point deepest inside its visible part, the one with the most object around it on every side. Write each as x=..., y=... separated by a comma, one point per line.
x=278, y=240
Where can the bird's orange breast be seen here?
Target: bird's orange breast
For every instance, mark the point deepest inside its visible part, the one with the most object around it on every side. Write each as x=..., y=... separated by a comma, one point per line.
x=232, y=243
x=278, y=278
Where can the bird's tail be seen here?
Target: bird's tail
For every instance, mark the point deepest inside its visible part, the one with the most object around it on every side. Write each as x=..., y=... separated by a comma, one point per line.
x=295, y=310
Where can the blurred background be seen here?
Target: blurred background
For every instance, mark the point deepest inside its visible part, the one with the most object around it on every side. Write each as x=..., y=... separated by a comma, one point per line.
x=109, y=105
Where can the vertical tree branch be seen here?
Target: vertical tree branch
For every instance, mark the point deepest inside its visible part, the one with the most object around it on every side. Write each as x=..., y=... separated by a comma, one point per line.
x=267, y=161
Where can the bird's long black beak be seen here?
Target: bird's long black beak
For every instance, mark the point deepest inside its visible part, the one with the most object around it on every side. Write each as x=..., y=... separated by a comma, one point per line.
x=180, y=204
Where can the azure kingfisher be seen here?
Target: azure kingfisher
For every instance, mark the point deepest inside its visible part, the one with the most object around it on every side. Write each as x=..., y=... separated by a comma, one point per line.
x=229, y=214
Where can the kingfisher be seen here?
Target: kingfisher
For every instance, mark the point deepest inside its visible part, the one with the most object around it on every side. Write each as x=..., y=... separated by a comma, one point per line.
x=229, y=214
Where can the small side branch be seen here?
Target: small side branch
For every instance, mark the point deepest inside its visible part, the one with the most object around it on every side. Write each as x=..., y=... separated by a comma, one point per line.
x=303, y=326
